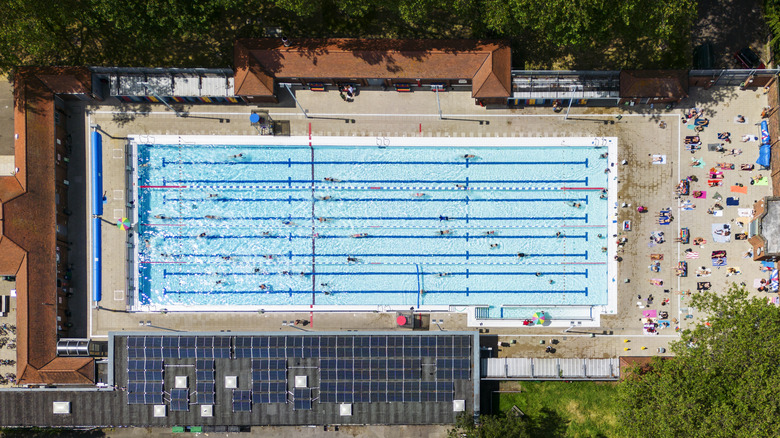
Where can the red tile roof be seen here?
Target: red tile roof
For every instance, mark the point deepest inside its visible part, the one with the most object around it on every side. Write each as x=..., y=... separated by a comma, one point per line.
x=259, y=61
x=28, y=241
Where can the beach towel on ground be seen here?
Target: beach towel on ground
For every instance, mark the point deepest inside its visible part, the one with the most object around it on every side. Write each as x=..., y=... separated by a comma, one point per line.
x=732, y=201
x=719, y=261
x=718, y=231
x=659, y=159
x=745, y=212
x=738, y=189
x=763, y=181
x=703, y=195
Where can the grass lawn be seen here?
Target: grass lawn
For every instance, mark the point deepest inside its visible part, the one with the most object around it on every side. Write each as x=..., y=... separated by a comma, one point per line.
x=576, y=409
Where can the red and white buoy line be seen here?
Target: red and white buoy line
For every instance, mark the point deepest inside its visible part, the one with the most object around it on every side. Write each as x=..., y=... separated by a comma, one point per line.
x=344, y=187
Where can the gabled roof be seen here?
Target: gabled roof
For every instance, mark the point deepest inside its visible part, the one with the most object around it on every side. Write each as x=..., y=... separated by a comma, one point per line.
x=666, y=84
x=28, y=240
x=258, y=62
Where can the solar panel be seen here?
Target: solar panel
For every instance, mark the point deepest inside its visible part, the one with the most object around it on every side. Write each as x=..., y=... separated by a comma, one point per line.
x=205, y=393
x=180, y=400
x=301, y=399
x=242, y=401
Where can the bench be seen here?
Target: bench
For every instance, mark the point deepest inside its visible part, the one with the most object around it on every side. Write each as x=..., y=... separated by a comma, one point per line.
x=317, y=86
x=403, y=88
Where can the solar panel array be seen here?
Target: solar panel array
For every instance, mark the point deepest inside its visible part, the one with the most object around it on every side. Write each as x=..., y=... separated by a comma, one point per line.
x=144, y=381
x=242, y=400
x=205, y=383
x=178, y=347
x=269, y=380
x=389, y=369
x=353, y=368
x=180, y=399
x=302, y=399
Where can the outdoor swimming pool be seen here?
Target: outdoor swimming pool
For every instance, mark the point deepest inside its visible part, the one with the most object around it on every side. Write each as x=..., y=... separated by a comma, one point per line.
x=407, y=225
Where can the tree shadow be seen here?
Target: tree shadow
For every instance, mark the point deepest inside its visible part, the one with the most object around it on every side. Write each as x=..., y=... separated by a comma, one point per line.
x=548, y=424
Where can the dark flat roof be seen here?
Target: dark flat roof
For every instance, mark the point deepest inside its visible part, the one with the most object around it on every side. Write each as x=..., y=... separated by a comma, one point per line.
x=109, y=407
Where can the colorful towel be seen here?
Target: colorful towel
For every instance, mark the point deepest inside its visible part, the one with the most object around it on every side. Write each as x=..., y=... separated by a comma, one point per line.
x=691, y=255
x=703, y=195
x=763, y=181
x=719, y=261
x=738, y=189
x=651, y=313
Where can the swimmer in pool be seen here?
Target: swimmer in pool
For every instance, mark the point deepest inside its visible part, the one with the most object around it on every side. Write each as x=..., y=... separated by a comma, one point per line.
x=490, y=233
x=322, y=219
x=360, y=235
x=494, y=245
x=263, y=287
x=444, y=218
x=239, y=155
x=460, y=186
x=351, y=259
x=520, y=254
x=202, y=235
x=322, y=198
x=419, y=195
x=210, y=216
x=160, y=216
x=213, y=195
x=469, y=156
x=225, y=257
x=257, y=270
x=332, y=180
x=443, y=232
x=287, y=223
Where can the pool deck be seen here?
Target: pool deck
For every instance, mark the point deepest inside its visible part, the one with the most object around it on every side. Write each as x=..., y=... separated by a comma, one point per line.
x=389, y=114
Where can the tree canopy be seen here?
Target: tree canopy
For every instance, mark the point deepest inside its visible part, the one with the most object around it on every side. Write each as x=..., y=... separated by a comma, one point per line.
x=596, y=34
x=489, y=426
x=722, y=381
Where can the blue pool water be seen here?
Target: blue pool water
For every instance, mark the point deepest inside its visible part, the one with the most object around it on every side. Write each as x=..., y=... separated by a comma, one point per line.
x=260, y=226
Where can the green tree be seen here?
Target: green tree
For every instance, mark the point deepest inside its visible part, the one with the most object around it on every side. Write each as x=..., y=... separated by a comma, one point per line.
x=722, y=381
x=489, y=426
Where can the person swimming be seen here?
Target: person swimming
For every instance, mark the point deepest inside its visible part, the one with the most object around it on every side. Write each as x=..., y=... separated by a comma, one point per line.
x=460, y=186
x=322, y=198
x=210, y=216
x=329, y=179
x=521, y=255
x=360, y=235
x=469, y=156
x=419, y=195
x=494, y=245
x=443, y=232
x=352, y=259
x=160, y=216
x=322, y=219
x=239, y=155
x=202, y=235
x=443, y=218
